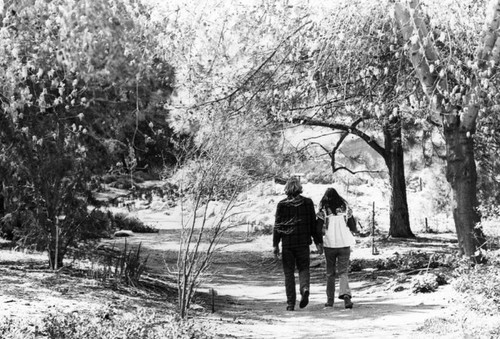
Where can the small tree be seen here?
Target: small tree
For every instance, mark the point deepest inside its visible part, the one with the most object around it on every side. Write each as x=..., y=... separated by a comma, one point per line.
x=210, y=183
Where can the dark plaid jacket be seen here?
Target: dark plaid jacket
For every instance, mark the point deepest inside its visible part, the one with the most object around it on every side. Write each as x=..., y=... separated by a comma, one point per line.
x=295, y=223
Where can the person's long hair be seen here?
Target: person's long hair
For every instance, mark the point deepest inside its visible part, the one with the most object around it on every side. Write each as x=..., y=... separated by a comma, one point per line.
x=332, y=200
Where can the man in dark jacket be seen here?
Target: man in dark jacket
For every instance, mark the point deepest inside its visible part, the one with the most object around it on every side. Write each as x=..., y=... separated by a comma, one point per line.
x=295, y=225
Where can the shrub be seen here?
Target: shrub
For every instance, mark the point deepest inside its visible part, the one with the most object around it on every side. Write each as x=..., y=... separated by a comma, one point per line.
x=478, y=301
x=265, y=229
x=123, y=222
x=119, y=266
x=320, y=178
x=96, y=225
x=414, y=260
x=481, y=284
x=98, y=325
x=356, y=265
x=424, y=283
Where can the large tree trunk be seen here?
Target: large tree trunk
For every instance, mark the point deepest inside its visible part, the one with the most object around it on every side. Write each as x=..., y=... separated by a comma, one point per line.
x=459, y=123
x=461, y=174
x=399, y=219
x=2, y=200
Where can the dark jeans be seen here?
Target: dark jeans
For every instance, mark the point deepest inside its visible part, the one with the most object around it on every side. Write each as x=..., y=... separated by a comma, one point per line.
x=337, y=259
x=291, y=257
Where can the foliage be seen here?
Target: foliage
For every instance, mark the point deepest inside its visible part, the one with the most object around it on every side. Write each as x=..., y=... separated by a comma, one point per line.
x=425, y=283
x=481, y=284
x=415, y=260
x=488, y=148
x=62, y=102
x=436, y=190
x=114, y=265
x=121, y=221
x=478, y=301
x=92, y=325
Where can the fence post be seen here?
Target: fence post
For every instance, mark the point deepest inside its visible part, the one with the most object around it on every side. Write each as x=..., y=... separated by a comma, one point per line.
x=374, y=248
x=57, y=245
x=213, y=293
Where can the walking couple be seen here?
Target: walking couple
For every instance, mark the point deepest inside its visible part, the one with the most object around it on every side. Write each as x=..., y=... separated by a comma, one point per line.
x=296, y=224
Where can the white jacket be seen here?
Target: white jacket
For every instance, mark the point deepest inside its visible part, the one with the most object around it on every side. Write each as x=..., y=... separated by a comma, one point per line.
x=337, y=234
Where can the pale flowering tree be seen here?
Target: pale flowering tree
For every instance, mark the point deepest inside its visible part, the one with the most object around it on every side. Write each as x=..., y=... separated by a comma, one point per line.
x=454, y=49
x=66, y=68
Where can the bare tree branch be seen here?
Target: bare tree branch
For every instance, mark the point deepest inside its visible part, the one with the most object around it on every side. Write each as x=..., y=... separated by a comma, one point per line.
x=256, y=71
x=352, y=130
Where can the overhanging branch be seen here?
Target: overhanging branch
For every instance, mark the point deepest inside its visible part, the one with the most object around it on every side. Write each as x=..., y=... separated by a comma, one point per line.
x=349, y=129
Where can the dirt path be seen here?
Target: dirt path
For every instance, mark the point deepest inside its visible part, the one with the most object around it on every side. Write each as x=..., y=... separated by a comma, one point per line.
x=259, y=306
x=250, y=301
x=251, y=296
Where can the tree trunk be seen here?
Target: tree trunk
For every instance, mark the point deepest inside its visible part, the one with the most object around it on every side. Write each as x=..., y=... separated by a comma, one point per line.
x=459, y=124
x=56, y=250
x=399, y=220
x=52, y=259
x=462, y=176
x=2, y=200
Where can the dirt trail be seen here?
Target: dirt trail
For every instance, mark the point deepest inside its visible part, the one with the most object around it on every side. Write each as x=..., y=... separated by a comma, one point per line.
x=259, y=306
x=250, y=301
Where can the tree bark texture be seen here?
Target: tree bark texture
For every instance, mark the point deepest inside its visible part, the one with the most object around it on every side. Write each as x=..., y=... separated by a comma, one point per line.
x=459, y=124
x=399, y=220
x=2, y=200
x=461, y=174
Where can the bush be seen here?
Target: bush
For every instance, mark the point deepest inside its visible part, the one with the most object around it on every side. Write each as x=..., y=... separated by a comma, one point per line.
x=414, y=260
x=96, y=225
x=119, y=266
x=104, y=325
x=481, y=284
x=320, y=178
x=478, y=301
x=425, y=283
x=123, y=222
x=356, y=265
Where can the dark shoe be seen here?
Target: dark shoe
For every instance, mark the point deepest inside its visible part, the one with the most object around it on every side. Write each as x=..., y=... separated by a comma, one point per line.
x=347, y=302
x=305, y=299
x=329, y=303
x=290, y=308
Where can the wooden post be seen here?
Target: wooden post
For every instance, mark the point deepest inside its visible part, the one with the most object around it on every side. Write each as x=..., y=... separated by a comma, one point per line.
x=374, y=248
x=57, y=244
x=426, y=226
x=213, y=293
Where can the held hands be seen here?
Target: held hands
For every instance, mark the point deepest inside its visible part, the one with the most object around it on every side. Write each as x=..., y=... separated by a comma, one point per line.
x=319, y=247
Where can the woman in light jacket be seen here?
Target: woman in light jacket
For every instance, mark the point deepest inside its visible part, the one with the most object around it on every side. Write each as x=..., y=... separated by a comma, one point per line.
x=337, y=241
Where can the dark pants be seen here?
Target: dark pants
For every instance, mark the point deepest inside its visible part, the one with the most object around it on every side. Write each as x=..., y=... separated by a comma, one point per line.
x=337, y=259
x=291, y=257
